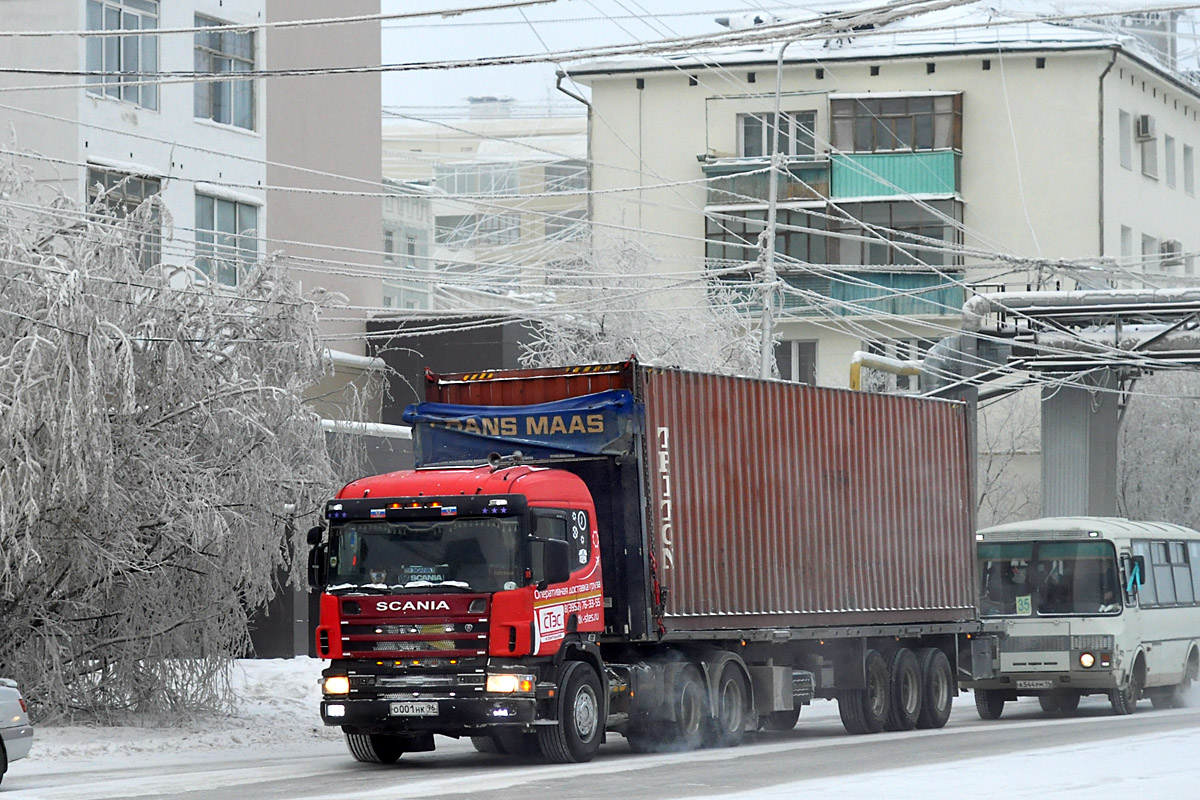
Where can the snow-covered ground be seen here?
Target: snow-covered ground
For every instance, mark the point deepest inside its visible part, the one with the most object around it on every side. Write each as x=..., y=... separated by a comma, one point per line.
x=277, y=713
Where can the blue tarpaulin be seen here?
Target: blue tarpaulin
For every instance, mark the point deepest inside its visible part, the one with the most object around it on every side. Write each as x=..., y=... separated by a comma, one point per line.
x=595, y=424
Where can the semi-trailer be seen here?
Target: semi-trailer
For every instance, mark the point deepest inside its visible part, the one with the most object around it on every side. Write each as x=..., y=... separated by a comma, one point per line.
x=673, y=556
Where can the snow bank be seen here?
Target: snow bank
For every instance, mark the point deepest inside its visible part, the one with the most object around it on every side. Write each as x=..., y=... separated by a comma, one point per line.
x=277, y=707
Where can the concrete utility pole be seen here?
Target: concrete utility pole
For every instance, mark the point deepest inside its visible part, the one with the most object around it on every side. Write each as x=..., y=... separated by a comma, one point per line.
x=766, y=241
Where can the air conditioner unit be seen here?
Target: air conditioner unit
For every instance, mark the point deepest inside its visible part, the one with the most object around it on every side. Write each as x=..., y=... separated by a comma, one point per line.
x=1145, y=127
x=1171, y=252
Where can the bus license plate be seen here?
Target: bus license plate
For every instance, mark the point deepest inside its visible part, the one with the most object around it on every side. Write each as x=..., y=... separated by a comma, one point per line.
x=1035, y=684
x=414, y=709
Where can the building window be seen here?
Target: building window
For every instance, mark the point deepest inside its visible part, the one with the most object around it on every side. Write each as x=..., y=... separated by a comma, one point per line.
x=1126, y=245
x=881, y=124
x=899, y=233
x=797, y=361
x=389, y=248
x=567, y=176
x=483, y=179
x=1150, y=158
x=119, y=195
x=231, y=101
x=1149, y=251
x=756, y=134
x=799, y=236
x=1169, y=160
x=410, y=252
x=226, y=238
x=1125, y=137
x=565, y=225
x=121, y=58
x=469, y=230
x=1189, y=171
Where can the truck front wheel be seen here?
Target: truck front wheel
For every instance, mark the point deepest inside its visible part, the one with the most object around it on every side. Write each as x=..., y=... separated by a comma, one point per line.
x=374, y=748
x=576, y=737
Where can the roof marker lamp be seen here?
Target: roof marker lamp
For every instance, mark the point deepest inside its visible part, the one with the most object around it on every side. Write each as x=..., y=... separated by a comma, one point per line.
x=337, y=684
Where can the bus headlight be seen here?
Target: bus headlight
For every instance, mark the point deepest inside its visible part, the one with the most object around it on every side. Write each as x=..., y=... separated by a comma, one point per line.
x=1086, y=660
x=337, y=684
x=504, y=683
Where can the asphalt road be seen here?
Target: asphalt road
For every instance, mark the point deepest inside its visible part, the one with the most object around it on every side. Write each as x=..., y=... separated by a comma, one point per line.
x=817, y=748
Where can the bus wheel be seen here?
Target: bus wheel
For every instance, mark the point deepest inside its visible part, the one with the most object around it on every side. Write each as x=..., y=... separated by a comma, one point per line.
x=905, y=704
x=989, y=703
x=1124, y=700
x=937, y=682
x=865, y=710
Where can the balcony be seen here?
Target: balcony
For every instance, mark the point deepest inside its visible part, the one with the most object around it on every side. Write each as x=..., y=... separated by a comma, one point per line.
x=896, y=174
x=742, y=181
x=858, y=294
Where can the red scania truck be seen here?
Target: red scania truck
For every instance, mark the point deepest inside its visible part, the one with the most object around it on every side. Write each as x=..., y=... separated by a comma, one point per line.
x=674, y=556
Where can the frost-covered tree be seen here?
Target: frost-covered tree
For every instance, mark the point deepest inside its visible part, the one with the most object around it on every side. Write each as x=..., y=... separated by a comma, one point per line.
x=152, y=429
x=615, y=310
x=1159, y=456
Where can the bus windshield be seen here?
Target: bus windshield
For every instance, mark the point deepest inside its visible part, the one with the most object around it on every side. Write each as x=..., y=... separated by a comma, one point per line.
x=482, y=555
x=1048, y=579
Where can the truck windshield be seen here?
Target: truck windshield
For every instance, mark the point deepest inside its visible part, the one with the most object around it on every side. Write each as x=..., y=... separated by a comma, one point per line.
x=1048, y=579
x=482, y=555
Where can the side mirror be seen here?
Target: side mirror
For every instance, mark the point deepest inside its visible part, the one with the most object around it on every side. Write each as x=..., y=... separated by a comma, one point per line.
x=316, y=566
x=1136, y=570
x=556, y=556
x=315, y=534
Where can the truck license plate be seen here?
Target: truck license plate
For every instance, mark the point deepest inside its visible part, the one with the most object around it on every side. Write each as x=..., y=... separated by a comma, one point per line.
x=415, y=709
x=1035, y=684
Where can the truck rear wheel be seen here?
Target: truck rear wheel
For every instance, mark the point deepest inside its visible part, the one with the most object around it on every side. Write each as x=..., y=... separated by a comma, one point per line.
x=576, y=737
x=374, y=748
x=865, y=710
x=905, y=686
x=937, y=681
x=989, y=703
x=728, y=724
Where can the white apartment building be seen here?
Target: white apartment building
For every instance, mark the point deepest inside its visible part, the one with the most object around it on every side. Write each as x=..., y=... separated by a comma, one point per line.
x=508, y=197
x=919, y=164
x=243, y=167
x=409, y=279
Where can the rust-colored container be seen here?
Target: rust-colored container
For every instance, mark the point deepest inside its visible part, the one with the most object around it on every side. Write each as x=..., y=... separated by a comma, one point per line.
x=770, y=504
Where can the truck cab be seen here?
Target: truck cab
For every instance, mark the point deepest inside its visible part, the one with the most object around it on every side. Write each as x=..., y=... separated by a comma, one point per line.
x=451, y=599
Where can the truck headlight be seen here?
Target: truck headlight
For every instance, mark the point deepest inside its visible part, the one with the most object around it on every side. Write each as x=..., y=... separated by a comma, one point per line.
x=337, y=684
x=504, y=683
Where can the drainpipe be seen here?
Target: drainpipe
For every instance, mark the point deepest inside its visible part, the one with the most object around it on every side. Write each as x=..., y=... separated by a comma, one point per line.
x=558, y=84
x=1100, y=102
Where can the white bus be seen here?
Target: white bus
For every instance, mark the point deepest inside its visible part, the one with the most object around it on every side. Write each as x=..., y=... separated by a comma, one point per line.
x=1090, y=605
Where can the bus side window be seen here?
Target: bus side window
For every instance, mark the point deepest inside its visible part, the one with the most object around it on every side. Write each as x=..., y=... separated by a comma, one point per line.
x=1147, y=594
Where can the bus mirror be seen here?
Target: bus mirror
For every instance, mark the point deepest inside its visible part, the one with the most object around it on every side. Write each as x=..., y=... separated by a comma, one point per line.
x=1137, y=571
x=314, y=534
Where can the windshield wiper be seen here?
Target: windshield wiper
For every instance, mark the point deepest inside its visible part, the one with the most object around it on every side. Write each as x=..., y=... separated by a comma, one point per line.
x=358, y=588
x=459, y=585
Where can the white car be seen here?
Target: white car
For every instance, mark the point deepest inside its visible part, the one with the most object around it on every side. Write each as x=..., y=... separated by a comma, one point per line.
x=16, y=734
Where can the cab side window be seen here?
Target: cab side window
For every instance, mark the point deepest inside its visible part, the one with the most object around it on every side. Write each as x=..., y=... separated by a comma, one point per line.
x=571, y=527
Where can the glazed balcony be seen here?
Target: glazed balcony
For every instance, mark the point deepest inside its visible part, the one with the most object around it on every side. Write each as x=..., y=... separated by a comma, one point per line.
x=742, y=181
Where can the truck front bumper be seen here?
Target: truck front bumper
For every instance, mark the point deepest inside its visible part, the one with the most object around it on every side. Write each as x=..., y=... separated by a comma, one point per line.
x=455, y=715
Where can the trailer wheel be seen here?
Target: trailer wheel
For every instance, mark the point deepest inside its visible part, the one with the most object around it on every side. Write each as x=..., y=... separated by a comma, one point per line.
x=686, y=730
x=728, y=724
x=576, y=737
x=905, y=686
x=780, y=720
x=865, y=710
x=937, y=682
x=374, y=748
x=989, y=703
